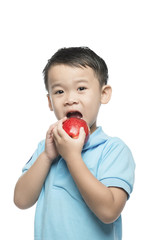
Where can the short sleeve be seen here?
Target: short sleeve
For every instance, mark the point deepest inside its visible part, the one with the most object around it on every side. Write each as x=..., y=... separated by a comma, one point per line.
x=117, y=166
x=39, y=150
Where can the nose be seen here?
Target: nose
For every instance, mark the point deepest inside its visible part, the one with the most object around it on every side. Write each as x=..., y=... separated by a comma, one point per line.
x=71, y=99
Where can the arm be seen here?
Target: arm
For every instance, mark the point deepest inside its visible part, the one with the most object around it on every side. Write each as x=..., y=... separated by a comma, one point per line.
x=106, y=203
x=29, y=185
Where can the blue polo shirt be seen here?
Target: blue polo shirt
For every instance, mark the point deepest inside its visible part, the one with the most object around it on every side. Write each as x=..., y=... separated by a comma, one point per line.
x=61, y=212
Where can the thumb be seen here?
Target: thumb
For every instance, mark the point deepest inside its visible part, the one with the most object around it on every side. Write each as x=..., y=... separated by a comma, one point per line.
x=82, y=134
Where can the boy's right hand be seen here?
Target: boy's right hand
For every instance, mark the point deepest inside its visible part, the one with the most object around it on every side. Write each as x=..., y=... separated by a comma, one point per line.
x=50, y=147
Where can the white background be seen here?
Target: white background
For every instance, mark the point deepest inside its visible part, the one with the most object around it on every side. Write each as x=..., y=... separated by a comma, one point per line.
x=126, y=34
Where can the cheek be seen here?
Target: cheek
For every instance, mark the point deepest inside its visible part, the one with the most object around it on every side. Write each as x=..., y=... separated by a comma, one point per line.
x=56, y=107
x=94, y=109
x=93, y=105
x=58, y=113
x=95, y=99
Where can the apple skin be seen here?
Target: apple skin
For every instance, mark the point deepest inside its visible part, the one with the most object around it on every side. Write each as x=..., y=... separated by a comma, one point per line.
x=72, y=127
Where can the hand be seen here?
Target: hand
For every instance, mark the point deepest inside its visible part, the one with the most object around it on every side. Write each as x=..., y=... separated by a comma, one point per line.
x=50, y=147
x=68, y=147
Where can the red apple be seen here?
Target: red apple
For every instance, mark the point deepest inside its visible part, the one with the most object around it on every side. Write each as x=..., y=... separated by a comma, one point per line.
x=72, y=127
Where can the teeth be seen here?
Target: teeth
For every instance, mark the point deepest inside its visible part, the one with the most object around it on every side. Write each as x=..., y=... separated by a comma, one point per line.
x=74, y=114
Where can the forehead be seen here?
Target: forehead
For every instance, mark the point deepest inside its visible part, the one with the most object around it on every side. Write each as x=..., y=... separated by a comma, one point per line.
x=62, y=72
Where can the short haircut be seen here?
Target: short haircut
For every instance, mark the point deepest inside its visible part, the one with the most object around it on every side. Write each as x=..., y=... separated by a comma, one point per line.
x=78, y=57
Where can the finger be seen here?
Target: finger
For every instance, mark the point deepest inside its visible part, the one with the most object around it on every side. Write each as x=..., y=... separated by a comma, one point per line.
x=60, y=129
x=55, y=133
x=53, y=129
x=49, y=133
x=64, y=119
x=82, y=134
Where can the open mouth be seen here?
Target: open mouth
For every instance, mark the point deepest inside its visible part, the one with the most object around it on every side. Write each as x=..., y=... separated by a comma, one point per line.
x=75, y=114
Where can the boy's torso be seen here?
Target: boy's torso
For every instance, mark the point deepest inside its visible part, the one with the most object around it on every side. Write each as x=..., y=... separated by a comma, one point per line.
x=61, y=212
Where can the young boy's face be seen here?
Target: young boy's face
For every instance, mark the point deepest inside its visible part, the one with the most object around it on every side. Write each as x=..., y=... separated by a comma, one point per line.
x=75, y=91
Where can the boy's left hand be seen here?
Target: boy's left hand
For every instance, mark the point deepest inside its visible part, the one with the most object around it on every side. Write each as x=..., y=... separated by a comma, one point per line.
x=68, y=147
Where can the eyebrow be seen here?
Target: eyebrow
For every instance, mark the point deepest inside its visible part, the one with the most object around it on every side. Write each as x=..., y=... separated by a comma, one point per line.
x=77, y=81
x=81, y=80
x=55, y=85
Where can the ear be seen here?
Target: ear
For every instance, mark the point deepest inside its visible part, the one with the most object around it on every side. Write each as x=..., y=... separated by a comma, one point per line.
x=49, y=103
x=106, y=94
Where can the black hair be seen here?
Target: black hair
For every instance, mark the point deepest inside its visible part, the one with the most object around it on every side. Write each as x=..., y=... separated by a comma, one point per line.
x=78, y=57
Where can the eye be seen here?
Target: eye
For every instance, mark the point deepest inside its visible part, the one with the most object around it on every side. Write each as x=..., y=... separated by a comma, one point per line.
x=59, y=92
x=81, y=88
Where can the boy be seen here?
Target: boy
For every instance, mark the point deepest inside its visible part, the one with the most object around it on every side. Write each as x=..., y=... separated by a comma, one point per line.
x=81, y=189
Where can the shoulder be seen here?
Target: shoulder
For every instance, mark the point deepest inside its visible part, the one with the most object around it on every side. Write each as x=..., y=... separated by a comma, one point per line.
x=38, y=151
x=117, y=155
x=116, y=145
x=117, y=166
x=41, y=146
x=109, y=143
